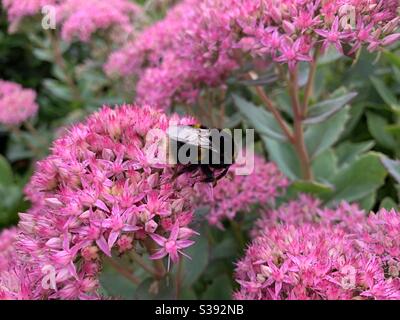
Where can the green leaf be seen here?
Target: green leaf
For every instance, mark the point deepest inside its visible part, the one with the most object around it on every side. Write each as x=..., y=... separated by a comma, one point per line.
x=385, y=93
x=388, y=204
x=355, y=112
x=393, y=58
x=6, y=174
x=347, y=152
x=359, y=179
x=376, y=126
x=263, y=121
x=57, y=89
x=225, y=249
x=367, y=203
x=115, y=285
x=317, y=189
x=262, y=80
x=150, y=289
x=284, y=156
x=324, y=166
x=43, y=54
x=322, y=136
x=322, y=111
x=220, y=289
x=330, y=56
x=393, y=166
x=199, y=254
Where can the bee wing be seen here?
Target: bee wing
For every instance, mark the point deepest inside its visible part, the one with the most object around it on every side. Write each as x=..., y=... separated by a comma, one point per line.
x=190, y=135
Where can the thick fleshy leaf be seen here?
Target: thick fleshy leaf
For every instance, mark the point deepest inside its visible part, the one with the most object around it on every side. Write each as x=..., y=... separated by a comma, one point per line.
x=326, y=109
x=359, y=179
x=151, y=289
x=389, y=204
x=393, y=166
x=320, y=137
x=57, y=89
x=199, y=253
x=376, y=126
x=113, y=285
x=261, y=80
x=315, y=188
x=367, y=202
x=6, y=174
x=347, y=151
x=324, y=166
x=386, y=94
x=262, y=120
x=220, y=289
x=393, y=58
x=284, y=156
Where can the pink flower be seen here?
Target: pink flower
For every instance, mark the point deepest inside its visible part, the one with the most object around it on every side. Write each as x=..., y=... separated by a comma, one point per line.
x=7, y=254
x=81, y=19
x=332, y=36
x=237, y=194
x=171, y=246
x=16, y=104
x=18, y=9
x=292, y=53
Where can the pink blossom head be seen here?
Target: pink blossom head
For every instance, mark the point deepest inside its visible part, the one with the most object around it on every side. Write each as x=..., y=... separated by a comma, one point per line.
x=18, y=9
x=16, y=103
x=300, y=251
x=81, y=19
x=101, y=191
x=7, y=239
x=241, y=193
x=199, y=44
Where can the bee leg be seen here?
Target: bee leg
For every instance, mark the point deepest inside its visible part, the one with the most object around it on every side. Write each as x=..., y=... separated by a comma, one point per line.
x=186, y=169
x=222, y=174
x=208, y=173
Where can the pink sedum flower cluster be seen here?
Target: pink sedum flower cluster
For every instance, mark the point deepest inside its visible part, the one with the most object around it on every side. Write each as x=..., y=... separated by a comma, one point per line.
x=79, y=19
x=16, y=103
x=15, y=279
x=18, y=9
x=303, y=251
x=102, y=189
x=200, y=43
x=7, y=238
x=239, y=193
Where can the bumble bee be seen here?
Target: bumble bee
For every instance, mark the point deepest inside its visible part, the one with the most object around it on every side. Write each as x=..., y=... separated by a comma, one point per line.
x=200, y=149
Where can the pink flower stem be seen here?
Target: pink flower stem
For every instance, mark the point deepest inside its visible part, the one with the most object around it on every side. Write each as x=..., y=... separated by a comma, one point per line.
x=60, y=62
x=160, y=271
x=238, y=234
x=298, y=142
x=34, y=132
x=123, y=271
x=274, y=110
x=17, y=133
x=179, y=278
x=310, y=81
x=140, y=261
x=296, y=138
